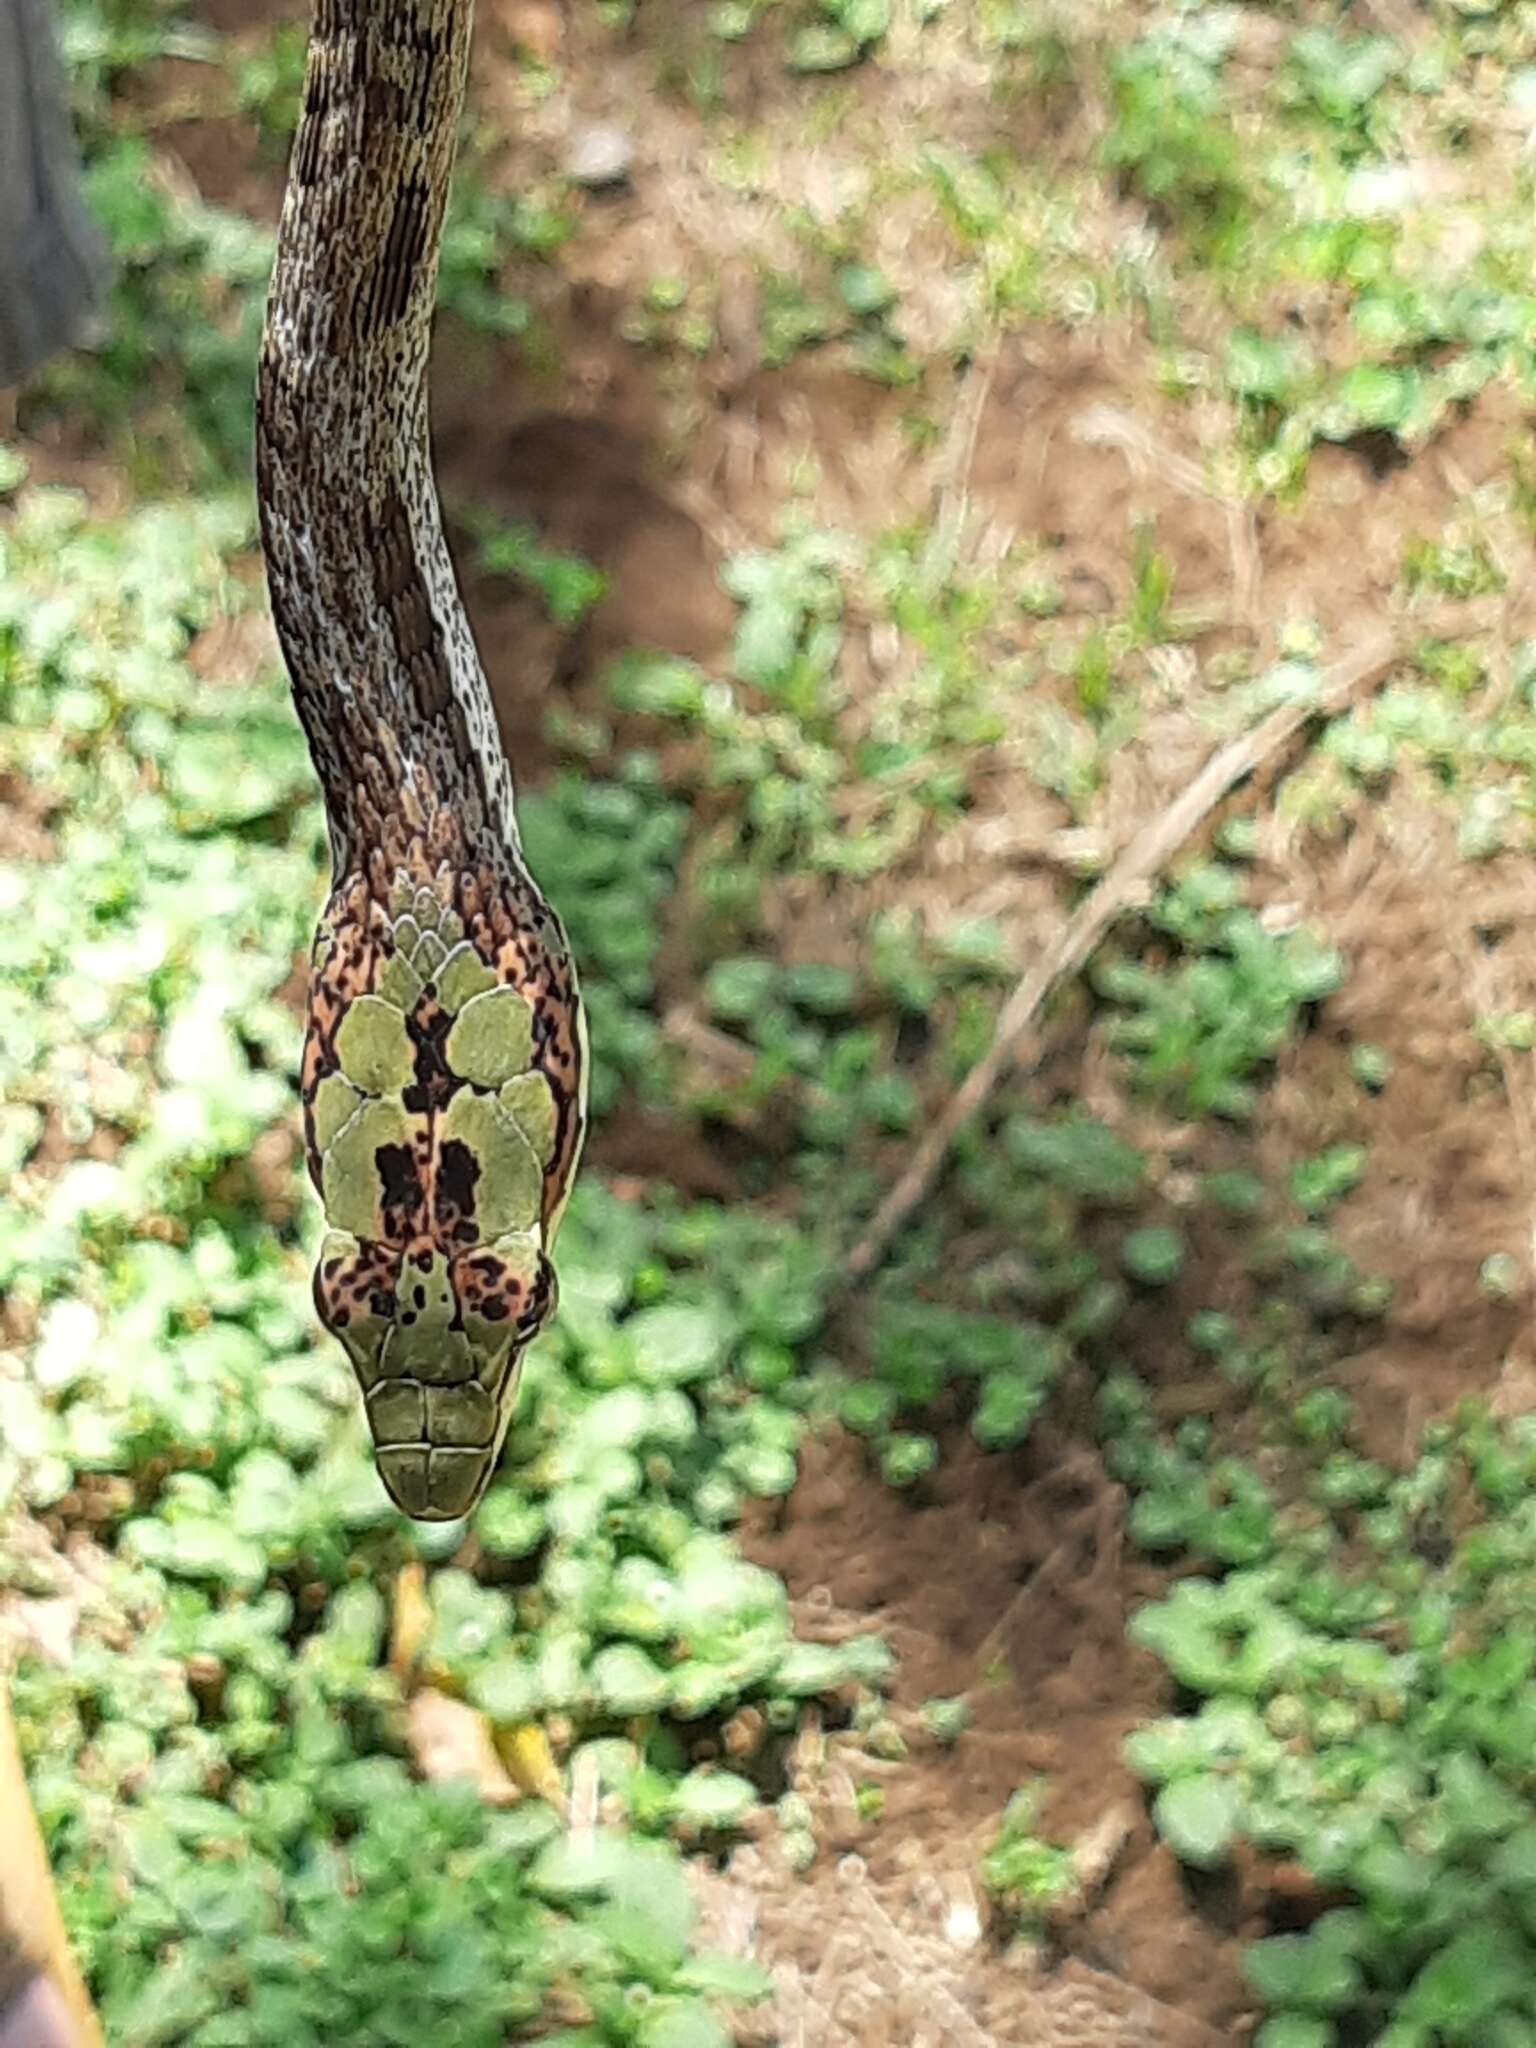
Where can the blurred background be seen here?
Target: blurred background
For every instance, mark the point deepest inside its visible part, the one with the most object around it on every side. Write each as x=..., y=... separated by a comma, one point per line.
x=888, y=446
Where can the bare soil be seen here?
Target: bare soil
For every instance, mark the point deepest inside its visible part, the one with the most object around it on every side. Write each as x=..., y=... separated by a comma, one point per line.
x=1009, y=1584
x=1008, y=1581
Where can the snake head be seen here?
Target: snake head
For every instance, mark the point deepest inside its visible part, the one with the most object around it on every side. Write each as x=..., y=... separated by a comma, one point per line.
x=443, y=1123
x=437, y=1346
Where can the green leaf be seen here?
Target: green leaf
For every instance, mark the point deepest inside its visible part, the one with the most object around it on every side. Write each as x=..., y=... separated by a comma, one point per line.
x=173, y=2002
x=946, y=1720
x=197, y=1547
x=1198, y=1817
x=867, y=292
x=736, y=1979
x=156, y=1856
x=810, y=1668
x=510, y=1525
x=738, y=989
x=822, y=46
x=507, y=1690
x=1481, y=1970
x=1514, y=1865
x=681, y=2023
x=1475, y=1803
x=625, y=1681
x=1154, y=1256
x=824, y=990
x=715, y=1799
x=1009, y=1403
x=1296, y=2030
x=1303, y=1971
x=904, y=1459
x=674, y=1343
x=866, y=19
x=581, y=1866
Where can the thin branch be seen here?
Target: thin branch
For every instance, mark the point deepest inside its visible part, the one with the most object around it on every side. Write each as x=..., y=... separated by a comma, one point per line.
x=1121, y=890
x=959, y=459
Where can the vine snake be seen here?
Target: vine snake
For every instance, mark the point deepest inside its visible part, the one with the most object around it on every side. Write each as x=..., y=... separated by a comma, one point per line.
x=445, y=1056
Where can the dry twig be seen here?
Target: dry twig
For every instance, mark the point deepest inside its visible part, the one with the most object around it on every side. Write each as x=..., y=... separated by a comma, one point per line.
x=1121, y=889
x=958, y=460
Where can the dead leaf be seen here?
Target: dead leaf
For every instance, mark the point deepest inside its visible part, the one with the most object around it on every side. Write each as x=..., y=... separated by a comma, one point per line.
x=527, y=1755
x=451, y=1740
x=411, y=1621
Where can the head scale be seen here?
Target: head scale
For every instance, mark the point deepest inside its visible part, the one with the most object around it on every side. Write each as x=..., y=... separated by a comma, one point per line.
x=443, y=1129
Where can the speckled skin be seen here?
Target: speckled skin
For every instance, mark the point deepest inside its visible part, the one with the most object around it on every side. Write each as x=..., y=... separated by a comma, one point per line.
x=445, y=1061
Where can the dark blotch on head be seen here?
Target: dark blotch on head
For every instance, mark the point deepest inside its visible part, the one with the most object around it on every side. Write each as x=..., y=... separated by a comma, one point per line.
x=457, y=1175
x=397, y=1173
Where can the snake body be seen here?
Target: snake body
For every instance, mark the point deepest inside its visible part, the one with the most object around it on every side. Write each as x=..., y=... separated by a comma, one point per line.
x=445, y=1059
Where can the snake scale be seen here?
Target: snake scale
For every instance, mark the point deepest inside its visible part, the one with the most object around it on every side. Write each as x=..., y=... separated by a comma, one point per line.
x=445, y=1058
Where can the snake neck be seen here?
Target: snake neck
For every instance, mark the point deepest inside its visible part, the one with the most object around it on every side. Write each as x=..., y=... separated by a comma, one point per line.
x=385, y=675
x=445, y=1059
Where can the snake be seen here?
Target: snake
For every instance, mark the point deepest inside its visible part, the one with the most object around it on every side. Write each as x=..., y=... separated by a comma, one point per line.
x=444, y=1071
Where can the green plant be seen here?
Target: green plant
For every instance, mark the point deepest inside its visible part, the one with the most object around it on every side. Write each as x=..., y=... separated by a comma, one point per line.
x=269, y=81
x=1198, y=1036
x=1318, y=1184
x=185, y=320
x=567, y=586
x=946, y=1720
x=1324, y=245
x=1030, y=1878
x=1364, y=1711
x=236, y=1634
x=836, y=34
x=1169, y=139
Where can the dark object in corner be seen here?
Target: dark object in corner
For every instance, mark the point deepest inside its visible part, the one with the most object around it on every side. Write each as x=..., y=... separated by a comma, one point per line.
x=54, y=268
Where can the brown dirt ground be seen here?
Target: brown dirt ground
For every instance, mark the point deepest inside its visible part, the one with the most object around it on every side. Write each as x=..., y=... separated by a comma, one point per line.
x=1009, y=1585
x=1009, y=1582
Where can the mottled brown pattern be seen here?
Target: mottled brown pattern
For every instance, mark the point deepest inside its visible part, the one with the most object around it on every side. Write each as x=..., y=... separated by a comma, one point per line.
x=349, y=955
x=521, y=943
x=393, y=700
x=365, y=1284
x=525, y=945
